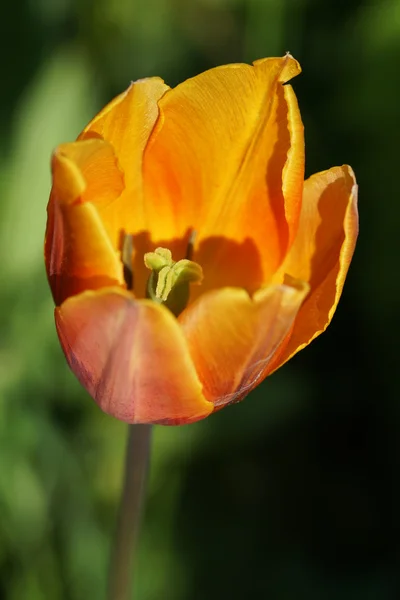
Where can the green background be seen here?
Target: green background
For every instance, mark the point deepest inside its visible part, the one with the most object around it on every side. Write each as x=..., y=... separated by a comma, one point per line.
x=292, y=494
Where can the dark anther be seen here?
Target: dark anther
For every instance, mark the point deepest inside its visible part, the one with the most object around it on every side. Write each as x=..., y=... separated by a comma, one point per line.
x=190, y=246
x=127, y=258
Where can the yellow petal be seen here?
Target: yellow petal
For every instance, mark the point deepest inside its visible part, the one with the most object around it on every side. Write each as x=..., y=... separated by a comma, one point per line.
x=322, y=251
x=78, y=252
x=226, y=157
x=131, y=357
x=232, y=338
x=87, y=170
x=126, y=124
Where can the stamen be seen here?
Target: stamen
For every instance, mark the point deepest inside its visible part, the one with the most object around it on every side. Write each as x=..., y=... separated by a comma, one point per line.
x=127, y=259
x=190, y=246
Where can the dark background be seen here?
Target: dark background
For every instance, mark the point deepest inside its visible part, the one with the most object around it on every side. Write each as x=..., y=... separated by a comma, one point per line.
x=292, y=494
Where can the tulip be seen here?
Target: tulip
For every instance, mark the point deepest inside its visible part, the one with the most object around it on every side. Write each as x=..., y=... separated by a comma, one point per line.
x=187, y=256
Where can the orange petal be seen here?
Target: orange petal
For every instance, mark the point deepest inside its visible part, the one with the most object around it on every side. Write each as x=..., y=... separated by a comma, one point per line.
x=131, y=357
x=87, y=170
x=126, y=123
x=78, y=252
x=232, y=338
x=226, y=157
x=322, y=251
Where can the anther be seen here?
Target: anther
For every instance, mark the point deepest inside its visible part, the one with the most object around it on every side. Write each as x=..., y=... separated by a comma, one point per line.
x=127, y=258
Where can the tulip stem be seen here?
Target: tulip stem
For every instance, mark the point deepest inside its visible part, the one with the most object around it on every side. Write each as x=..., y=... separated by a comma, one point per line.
x=130, y=512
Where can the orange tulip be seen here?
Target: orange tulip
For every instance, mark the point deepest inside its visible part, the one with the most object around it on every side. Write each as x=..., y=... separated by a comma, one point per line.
x=187, y=257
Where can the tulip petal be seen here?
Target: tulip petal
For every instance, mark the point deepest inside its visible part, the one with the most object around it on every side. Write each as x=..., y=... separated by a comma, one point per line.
x=131, y=357
x=87, y=170
x=126, y=123
x=322, y=251
x=226, y=157
x=232, y=337
x=78, y=252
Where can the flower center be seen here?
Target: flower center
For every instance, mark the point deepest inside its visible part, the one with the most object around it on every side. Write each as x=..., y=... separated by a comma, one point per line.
x=169, y=281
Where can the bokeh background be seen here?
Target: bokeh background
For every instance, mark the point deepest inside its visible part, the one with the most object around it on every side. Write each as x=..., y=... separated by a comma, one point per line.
x=292, y=494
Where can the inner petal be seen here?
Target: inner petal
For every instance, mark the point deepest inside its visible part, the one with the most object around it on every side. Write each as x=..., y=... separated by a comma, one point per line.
x=226, y=157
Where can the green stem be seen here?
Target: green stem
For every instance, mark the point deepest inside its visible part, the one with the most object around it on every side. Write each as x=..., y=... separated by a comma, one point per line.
x=130, y=511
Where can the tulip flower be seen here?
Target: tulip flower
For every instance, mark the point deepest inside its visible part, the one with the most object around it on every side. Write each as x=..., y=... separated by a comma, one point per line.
x=187, y=256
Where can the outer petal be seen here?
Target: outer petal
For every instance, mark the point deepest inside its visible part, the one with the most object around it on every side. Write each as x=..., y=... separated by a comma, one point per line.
x=126, y=123
x=78, y=252
x=227, y=158
x=131, y=357
x=232, y=338
x=322, y=251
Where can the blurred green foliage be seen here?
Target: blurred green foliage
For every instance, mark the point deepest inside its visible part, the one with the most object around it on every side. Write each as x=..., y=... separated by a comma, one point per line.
x=291, y=494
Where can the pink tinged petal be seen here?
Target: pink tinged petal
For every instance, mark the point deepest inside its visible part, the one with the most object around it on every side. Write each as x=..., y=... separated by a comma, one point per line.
x=131, y=357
